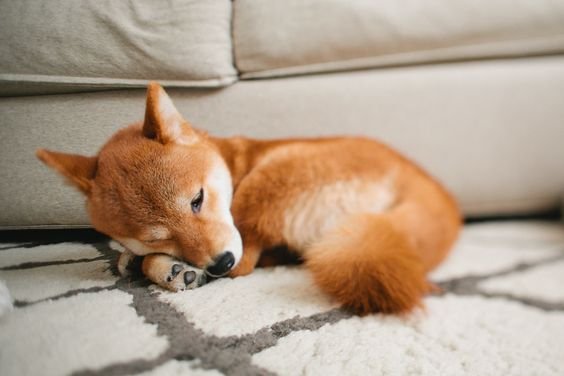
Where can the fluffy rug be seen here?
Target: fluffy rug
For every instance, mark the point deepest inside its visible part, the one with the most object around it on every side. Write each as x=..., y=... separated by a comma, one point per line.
x=501, y=312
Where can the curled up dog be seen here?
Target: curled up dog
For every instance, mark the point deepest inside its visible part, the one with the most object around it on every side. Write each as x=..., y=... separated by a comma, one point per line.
x=368, y=223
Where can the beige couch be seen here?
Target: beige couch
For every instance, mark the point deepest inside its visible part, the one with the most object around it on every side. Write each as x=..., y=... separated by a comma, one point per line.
x=472, y=90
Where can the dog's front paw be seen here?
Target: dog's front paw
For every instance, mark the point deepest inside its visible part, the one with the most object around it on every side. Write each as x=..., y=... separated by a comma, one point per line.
x=126, y=263
x=182, y=276
x=172, y=274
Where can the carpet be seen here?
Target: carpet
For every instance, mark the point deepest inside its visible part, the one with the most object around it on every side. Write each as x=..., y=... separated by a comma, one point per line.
x=500, y=312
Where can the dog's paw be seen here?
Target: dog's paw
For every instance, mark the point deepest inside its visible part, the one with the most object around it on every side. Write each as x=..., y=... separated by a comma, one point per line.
x=124, y=261
x=182, y=277
x=171, y=273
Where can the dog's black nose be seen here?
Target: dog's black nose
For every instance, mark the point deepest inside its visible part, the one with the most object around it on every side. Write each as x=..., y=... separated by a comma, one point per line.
x=221, y=264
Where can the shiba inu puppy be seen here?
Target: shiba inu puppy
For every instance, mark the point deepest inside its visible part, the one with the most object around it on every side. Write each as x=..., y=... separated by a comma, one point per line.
x=368, y=223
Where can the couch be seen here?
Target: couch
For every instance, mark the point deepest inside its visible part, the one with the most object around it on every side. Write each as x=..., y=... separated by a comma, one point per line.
x=471, y=90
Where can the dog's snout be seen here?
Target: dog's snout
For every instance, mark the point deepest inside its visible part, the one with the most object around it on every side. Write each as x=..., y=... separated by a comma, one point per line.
x=221, y=264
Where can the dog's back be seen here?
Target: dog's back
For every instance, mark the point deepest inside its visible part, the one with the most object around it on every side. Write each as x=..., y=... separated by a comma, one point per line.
x=368, y=222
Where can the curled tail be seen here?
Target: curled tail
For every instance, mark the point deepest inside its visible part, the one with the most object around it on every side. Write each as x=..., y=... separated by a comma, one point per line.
x=368, y=265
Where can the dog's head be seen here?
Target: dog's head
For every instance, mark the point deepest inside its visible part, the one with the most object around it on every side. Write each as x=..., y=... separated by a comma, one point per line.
x=159, y=187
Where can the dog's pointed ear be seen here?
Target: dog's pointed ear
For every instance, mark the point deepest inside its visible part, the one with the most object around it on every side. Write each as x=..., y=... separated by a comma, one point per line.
x=163, y=122
x=79, y=171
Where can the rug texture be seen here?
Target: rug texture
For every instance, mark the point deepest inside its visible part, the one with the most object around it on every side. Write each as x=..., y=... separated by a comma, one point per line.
x=501, y=312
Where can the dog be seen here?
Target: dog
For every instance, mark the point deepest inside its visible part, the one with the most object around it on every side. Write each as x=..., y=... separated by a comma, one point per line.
x=367, y=222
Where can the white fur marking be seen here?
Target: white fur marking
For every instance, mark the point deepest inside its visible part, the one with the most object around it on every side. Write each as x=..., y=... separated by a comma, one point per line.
x=315, y=212
x=116, y=246
x=123, y=262
x=169, y=113
x=173, y=120
x=159, y=233
x=220, y=180
x=139, y=248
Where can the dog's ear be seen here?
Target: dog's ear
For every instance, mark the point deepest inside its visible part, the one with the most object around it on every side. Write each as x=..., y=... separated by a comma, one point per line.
x=78, y=170
x=163, y=122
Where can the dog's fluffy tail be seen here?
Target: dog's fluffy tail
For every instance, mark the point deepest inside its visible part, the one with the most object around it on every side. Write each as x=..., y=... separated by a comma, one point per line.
x=368, y=265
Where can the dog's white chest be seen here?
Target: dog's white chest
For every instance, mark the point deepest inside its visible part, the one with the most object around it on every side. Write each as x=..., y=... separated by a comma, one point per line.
x=317, y=211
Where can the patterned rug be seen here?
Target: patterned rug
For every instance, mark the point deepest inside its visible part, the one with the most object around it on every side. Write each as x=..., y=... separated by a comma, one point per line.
x=501, y=312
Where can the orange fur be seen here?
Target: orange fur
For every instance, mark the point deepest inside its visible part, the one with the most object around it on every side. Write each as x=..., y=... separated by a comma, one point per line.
x=77, y=169
x=368, y=266
x=369, y=223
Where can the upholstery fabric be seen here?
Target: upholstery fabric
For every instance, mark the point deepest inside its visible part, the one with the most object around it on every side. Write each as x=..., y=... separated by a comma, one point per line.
x=491, y=131
x=277, y=38
x=61, y=46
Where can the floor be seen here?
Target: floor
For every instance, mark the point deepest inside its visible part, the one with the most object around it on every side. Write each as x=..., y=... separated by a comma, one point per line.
x=501, y=311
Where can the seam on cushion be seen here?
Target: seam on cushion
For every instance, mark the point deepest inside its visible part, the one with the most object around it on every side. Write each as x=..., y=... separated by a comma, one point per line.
x=44, y=226
x=110, y=83
x=379, y=61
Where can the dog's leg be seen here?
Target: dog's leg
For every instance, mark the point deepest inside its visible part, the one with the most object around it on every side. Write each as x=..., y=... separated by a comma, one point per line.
x=251, y=255
x=172, y=274
x=124, y=260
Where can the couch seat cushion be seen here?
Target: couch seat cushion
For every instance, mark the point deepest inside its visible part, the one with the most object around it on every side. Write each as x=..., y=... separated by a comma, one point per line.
x=275, y=38
x=60, y=46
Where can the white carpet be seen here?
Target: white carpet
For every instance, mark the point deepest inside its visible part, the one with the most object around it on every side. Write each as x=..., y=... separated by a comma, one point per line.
x=501, y=313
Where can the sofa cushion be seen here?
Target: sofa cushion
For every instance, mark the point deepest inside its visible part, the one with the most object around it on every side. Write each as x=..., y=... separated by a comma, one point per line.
x=492, y=131
x=275, y=38
x=61, y=46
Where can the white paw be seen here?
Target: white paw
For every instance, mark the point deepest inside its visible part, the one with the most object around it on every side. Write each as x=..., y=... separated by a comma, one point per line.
x=182, y=276
x=125, y=258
